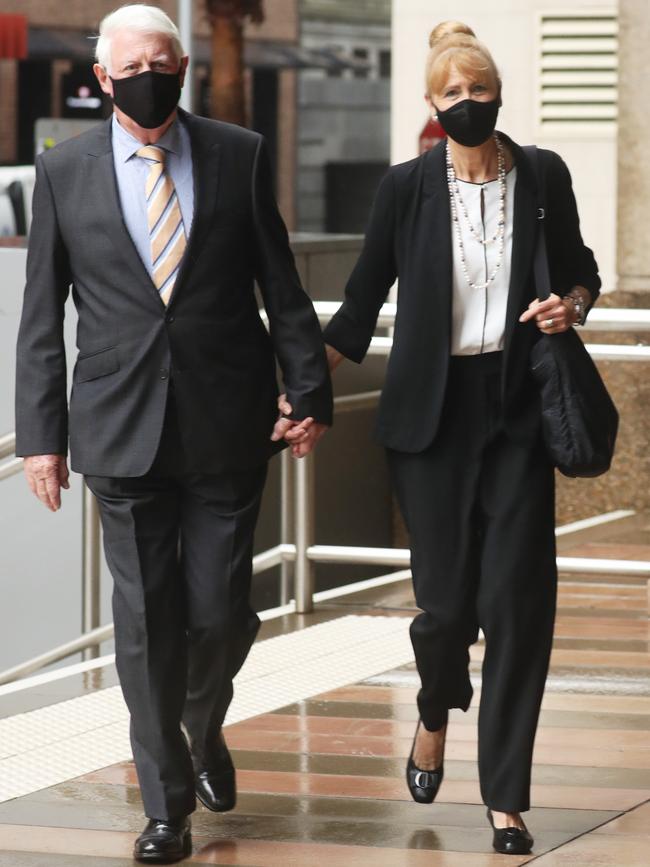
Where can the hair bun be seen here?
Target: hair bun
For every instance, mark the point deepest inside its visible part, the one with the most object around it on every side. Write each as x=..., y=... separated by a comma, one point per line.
x=449, y=28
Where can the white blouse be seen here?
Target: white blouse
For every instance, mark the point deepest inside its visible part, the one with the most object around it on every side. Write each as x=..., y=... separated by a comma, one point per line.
x=479, y=315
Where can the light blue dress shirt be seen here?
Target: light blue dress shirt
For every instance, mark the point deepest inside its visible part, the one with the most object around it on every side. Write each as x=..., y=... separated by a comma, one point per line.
x=131, y=172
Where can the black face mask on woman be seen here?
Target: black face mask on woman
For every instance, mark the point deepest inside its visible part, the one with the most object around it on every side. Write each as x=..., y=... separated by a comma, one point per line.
x=470, y=122
x=148, y=98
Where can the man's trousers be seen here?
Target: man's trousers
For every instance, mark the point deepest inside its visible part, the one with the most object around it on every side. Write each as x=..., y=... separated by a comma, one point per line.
x=480, y=514
x=179, y=546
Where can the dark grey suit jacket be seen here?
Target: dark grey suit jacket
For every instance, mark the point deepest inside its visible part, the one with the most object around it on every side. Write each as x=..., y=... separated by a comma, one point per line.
x=409, y=236
x=210, y=339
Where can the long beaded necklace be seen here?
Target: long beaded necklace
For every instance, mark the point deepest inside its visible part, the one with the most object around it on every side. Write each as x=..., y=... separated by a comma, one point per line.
x=455, y=199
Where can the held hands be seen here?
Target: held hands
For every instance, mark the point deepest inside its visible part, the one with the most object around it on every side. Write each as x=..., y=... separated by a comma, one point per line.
x=552, y=316
x=302, y=436
x=334, y=357
x=46, y=475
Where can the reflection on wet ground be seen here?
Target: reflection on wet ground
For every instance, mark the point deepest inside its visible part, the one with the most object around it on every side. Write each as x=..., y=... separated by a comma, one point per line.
x=322, y=780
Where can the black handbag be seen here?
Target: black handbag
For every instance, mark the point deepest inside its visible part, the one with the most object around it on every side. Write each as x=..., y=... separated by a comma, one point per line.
x=579, y=419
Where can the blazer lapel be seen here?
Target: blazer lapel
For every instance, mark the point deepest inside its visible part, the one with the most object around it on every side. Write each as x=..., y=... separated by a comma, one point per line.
x=108, y=204
x=434, y=241
x=205, y=168
x=523, y=243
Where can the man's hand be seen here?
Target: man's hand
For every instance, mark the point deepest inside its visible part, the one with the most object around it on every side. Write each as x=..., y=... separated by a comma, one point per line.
x=302, y=436
x=308, y=439
x=46, y=475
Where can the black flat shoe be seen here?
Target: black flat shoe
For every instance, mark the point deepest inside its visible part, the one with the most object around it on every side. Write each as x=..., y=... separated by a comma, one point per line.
x=214, y=780
x=510, y=841
x=423, y=785
x=164, y=841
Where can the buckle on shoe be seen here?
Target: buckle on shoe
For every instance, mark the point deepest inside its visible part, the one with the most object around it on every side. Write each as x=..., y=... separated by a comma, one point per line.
x=423, y=780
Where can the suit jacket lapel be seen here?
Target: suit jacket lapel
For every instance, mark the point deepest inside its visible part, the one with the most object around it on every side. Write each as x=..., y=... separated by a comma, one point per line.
x=434, y=241
x=205, y=168
x=435, y=244
x=108, y=204
x=523, y=242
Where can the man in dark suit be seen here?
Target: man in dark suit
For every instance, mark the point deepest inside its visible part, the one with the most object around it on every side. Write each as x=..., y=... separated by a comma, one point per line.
x=161, y=222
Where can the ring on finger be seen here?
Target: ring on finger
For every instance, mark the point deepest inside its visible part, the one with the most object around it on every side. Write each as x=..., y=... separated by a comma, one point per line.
x=548, y=323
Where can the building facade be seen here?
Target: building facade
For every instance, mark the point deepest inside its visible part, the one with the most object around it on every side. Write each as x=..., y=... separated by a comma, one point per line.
x=59, y=64
x=559, y=67
x=343, y=112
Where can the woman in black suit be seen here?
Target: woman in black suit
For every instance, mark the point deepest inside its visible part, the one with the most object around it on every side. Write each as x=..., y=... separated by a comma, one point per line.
x=460, y=417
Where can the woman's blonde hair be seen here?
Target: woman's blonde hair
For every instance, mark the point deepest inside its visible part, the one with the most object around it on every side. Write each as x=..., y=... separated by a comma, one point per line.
x=453, y=43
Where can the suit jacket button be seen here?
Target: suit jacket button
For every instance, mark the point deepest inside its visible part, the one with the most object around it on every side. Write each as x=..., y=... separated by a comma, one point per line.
x=164, y=373
x=169, y=318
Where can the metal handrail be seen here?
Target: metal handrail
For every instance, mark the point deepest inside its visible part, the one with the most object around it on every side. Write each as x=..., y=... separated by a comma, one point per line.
x=297, y=557
x=87, y=641
x=598, y=351
x=7, y=445
x=600, y=318
x=10, y=468
x=90, y=640
x=401, y=557
x=622, y=319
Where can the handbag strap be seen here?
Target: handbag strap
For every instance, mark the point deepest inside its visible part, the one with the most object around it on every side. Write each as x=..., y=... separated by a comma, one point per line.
x=540, y=262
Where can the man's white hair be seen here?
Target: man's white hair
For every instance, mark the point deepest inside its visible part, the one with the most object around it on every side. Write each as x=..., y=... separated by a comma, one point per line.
x=135, y=16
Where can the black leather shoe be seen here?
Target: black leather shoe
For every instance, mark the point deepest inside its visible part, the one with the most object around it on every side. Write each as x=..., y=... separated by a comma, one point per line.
x=214, y=780
x=510, y=841
x=423, y=785
x=164, y=841
x=216, y=791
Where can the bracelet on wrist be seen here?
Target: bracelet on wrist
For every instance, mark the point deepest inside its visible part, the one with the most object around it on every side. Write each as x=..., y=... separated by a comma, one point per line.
x=578, y=304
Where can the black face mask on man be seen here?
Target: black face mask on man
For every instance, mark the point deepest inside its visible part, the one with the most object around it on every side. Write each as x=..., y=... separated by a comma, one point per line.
x=149, y=97
x=470, y=122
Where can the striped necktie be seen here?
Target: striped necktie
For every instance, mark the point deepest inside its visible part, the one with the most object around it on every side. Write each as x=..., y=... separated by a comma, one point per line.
x=166, y=229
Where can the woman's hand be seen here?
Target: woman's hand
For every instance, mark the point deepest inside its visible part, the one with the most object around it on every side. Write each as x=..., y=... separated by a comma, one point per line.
x=286, y=428
x=334, y=357
x=552, y=316
x=302, y=436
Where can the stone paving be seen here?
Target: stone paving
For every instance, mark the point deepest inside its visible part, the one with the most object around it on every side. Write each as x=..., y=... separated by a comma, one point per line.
x=322, y=779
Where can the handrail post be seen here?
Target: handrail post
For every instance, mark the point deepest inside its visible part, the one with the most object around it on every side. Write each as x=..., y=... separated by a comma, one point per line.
x=90, y=580
x=286, y=523
x=305, y=520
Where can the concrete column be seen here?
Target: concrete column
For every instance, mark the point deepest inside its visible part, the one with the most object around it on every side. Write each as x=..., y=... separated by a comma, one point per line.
x=633, y=249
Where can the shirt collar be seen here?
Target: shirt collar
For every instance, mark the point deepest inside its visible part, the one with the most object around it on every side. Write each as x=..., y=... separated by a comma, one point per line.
x=125, y=145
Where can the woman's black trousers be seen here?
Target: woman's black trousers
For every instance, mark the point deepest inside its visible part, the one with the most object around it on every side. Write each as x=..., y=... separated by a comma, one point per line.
x=479, y=509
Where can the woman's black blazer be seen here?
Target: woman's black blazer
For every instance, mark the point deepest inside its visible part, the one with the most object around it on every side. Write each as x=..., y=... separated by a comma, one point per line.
x=409, y=237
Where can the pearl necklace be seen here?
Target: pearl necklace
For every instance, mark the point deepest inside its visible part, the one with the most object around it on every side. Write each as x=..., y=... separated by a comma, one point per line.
x=456, y=199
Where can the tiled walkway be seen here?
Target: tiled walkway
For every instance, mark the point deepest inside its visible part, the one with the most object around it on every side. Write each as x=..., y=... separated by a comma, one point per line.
x=321, y=780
